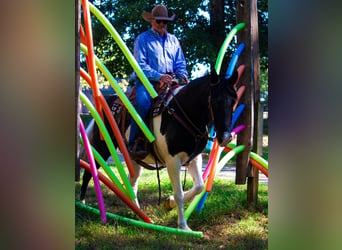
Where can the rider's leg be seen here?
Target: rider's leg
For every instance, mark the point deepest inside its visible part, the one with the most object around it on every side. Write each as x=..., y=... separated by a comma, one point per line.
x=143, y=104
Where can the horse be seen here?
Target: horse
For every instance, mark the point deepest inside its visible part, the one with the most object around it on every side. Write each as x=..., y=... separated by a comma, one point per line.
x=181, y=134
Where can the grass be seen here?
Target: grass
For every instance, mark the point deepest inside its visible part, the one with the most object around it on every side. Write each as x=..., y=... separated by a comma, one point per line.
x=225, y=221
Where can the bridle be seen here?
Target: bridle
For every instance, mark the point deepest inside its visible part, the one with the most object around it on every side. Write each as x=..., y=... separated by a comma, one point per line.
x=186, y=122
x=210, y=100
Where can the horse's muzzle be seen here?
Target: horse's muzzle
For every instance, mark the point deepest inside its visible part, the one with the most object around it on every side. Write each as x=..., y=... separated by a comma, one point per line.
x=224, y=139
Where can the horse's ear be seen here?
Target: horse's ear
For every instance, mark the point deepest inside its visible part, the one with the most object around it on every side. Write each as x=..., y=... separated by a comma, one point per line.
x=213, y=76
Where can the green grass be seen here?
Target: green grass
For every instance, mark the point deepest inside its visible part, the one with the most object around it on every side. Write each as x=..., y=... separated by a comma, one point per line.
x=225, y=221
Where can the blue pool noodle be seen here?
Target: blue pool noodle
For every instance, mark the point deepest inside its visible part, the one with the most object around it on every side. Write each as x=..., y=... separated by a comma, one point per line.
x=234, y=60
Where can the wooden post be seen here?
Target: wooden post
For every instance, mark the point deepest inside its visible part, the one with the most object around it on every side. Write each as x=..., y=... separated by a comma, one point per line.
x=246, y=136
x=253, y=177
x=250, y=137
x=77, y=85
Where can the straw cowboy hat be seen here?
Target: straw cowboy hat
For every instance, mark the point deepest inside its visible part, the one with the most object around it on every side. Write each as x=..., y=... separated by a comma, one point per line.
x=159, y=12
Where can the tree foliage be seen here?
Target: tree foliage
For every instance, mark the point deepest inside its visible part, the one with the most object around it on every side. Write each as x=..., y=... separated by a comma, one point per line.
x=199, y=37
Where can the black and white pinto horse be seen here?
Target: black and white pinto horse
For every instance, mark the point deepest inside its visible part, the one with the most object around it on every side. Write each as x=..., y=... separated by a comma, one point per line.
x=181, y=135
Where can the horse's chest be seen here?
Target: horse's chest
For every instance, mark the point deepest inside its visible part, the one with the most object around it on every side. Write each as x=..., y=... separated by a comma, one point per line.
x=174, y=140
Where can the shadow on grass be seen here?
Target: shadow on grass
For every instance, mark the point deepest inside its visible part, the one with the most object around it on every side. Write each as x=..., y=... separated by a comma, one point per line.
x=225, y=220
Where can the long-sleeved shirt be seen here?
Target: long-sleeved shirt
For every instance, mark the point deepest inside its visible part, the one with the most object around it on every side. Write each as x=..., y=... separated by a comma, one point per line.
x=158, y=55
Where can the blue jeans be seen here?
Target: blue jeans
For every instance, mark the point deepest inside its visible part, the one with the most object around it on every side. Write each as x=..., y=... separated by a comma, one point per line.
x=143, y=104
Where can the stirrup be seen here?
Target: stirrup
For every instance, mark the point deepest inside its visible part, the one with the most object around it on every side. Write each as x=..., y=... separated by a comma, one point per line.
x=138, y=151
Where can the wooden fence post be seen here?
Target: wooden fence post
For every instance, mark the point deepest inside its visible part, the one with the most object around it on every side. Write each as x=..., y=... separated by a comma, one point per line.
x=246, y=11
x=77, y=86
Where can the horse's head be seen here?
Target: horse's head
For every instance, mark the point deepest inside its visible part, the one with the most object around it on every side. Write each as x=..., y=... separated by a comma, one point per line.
x=221, y=102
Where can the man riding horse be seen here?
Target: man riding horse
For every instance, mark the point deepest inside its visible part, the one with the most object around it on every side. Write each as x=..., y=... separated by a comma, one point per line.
x=160, y=56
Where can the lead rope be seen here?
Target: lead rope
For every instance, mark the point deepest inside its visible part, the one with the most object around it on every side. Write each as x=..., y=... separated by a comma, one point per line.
x=159, y=189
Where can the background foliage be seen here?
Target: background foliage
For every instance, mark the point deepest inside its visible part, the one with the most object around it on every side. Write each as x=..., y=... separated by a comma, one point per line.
x=199, y=37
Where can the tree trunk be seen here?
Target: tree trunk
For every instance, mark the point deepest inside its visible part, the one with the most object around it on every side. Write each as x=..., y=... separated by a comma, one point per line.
x=217, y=29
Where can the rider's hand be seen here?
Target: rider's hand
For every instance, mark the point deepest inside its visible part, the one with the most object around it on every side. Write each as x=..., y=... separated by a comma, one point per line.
x=185, y=80
x=165, y=79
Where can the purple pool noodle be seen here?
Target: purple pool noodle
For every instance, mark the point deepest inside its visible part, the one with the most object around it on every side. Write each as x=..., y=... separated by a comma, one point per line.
x=93, y=172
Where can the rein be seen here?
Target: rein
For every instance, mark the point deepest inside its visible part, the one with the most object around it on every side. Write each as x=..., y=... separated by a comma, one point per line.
x=209, y=100
x=189, y=126
x=192, y=129
x=187, y=123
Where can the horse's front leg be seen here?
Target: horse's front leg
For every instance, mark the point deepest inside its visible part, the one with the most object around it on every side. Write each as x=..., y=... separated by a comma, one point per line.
x=195, y=170
x=173, y=169
x=134, y=181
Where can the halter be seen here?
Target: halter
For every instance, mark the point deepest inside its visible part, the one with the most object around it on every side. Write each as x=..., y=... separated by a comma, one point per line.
x=209, y=99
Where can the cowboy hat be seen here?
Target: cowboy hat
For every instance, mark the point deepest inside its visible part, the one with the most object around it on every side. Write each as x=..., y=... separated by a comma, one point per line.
x=159, y=12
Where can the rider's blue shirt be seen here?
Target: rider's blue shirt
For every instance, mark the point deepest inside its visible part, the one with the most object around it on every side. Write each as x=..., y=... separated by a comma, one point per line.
x=158, y=55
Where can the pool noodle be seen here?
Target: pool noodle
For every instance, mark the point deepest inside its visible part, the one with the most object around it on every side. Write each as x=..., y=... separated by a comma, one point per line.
x=122, y=97
x=107, y=169
x=225, y=46
x=83, y=36
x=211, y=157
x=254, y=163
x=109, y=143
x=258, y=166
x=119, y=193
x=195, y=202
x=239, y=94
x=219, y=167
x=240, y=71
x=94, y=173
x=237, y=130
x=259, y=159
x=228, y=156
x=252, y=155
x=124, y=49
x=200, y=204
x=234, y=132
x=114, y=127
x=91, y=61
x=211, y=175
x=234, y=60
x=143, y=224
x=211, y=138
x=236, y=115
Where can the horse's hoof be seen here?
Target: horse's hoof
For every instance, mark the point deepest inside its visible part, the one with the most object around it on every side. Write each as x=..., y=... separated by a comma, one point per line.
x=184, y=227
x=167, y=204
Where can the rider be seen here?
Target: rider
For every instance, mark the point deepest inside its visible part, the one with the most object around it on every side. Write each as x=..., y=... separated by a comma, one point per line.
x=160, y=56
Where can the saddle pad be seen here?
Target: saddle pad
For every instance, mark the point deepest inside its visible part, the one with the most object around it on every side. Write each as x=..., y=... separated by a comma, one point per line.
x=117, y=106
